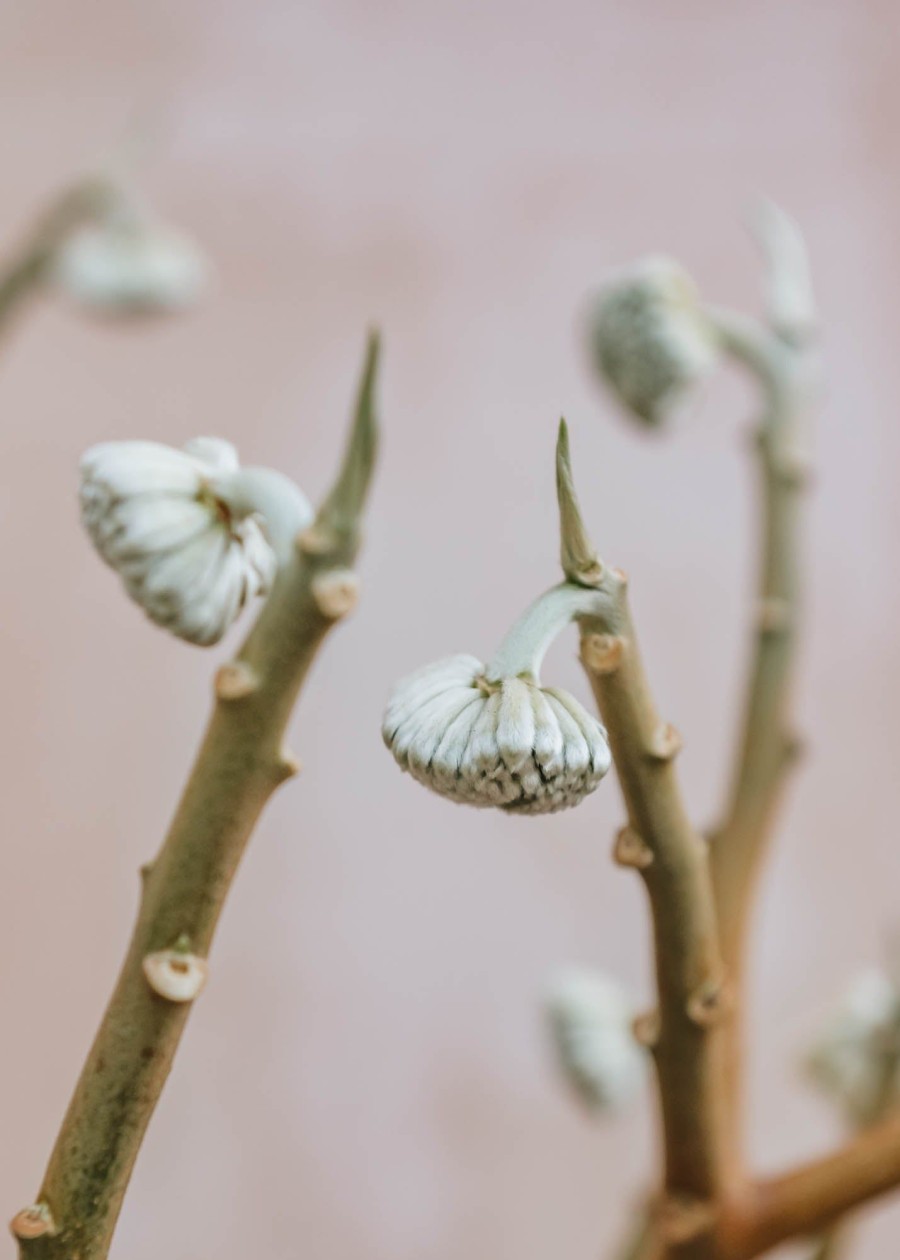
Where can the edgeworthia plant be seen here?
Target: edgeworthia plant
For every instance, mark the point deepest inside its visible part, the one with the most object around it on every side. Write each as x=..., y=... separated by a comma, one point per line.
x=194, y=536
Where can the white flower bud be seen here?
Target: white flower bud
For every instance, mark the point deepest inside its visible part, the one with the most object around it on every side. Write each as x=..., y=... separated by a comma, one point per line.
x=178, y=528
x=130, y=265
x=509, y=743
x=591, y=1027
x=651, y=340
x=860, y=1041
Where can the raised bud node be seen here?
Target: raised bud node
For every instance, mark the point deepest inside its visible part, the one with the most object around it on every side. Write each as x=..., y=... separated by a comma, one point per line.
x=234, y=681
x=289, y=765
x=666, y=743
x=32, y=1222
x=681, y=1218
x=175, y=974
x=318, y=540
x=336, y=592
x=646, y=1029
x=773, y=615
x=710, y=1004
x=602, y=653
x=631, y=849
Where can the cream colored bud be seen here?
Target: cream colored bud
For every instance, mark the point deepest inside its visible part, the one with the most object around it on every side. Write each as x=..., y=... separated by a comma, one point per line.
x=175, y=975
x=651, y=339
x=847, y=1060
x=130, y=265
x=591, y=1024
x=176, y=527
x=512, y=744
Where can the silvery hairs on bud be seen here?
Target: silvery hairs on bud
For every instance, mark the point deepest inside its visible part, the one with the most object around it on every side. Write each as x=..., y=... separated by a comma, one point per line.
x=189, y=532
x=507, y=742
x=651, y=340
x=590, y=1020
x=130, y=264
x=847, y=1060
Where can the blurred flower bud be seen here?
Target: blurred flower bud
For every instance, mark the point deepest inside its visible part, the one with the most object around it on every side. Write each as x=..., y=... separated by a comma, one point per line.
x=591, y=1026
x=509, y=743
x=651, y=340
x=855, y=1058
x=176, y=527
x=128, y=264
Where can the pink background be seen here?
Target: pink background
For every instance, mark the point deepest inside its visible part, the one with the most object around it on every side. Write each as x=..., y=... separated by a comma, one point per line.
x=366, y=1077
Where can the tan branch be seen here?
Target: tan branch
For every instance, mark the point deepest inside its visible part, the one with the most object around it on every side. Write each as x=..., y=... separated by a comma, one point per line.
x=672, y=860
x=805, y=1202
x=240, y=764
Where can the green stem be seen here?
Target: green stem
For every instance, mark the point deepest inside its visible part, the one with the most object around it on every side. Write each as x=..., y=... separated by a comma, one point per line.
x=524, y=647
x=766, y=746
x=28, y=265
x=238, y=767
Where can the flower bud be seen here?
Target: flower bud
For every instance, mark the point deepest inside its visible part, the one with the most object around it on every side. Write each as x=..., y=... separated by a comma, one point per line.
x=507, y=742
x=162, y=519
x=651, y=340
x=130, y=265
x=859, y=1044
x=591, y=1026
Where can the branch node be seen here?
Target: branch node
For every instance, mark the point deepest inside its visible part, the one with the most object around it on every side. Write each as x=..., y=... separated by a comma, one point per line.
x=773, y=615
x=631, y=849
x=665, y=744
x=33, y=1222
x=336, y=592
x=235, y=681
x=680, y=1218
x=710, y=1004
x=175, y=975
x=318, y=540
x=288, y=765
x=646, y=1029
x=794, y=471
x=621, y=577
x=602, y=653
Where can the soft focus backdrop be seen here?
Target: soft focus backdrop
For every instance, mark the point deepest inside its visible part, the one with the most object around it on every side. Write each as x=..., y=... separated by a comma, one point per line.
x=366, y=1077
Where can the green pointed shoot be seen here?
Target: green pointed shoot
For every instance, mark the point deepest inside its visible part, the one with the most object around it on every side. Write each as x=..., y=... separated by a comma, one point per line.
x=577, y=553
x=340, y=514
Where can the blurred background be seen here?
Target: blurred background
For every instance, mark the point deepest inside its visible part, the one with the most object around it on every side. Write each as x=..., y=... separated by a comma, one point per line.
x=367, y=1076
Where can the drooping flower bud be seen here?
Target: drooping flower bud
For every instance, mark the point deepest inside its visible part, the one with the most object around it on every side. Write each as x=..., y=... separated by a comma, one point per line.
x=192, y=535
x=856, y=1058
x=591, y=1021
x=651, y=340
x=129, y=264
x=492, y=734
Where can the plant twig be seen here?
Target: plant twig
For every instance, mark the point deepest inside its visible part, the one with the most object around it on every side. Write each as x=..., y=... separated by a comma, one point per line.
x=767, y=747
x=672, y=858
x=26, y=268
x=240, y=764
x=806, y=1201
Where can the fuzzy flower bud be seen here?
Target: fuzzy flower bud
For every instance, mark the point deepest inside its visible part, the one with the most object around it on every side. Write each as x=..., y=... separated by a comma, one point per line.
x=651, y=340
x=590, y=1021
x=856, y=1056
x=192, y=535
x=130, y=265
x=492, y=734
